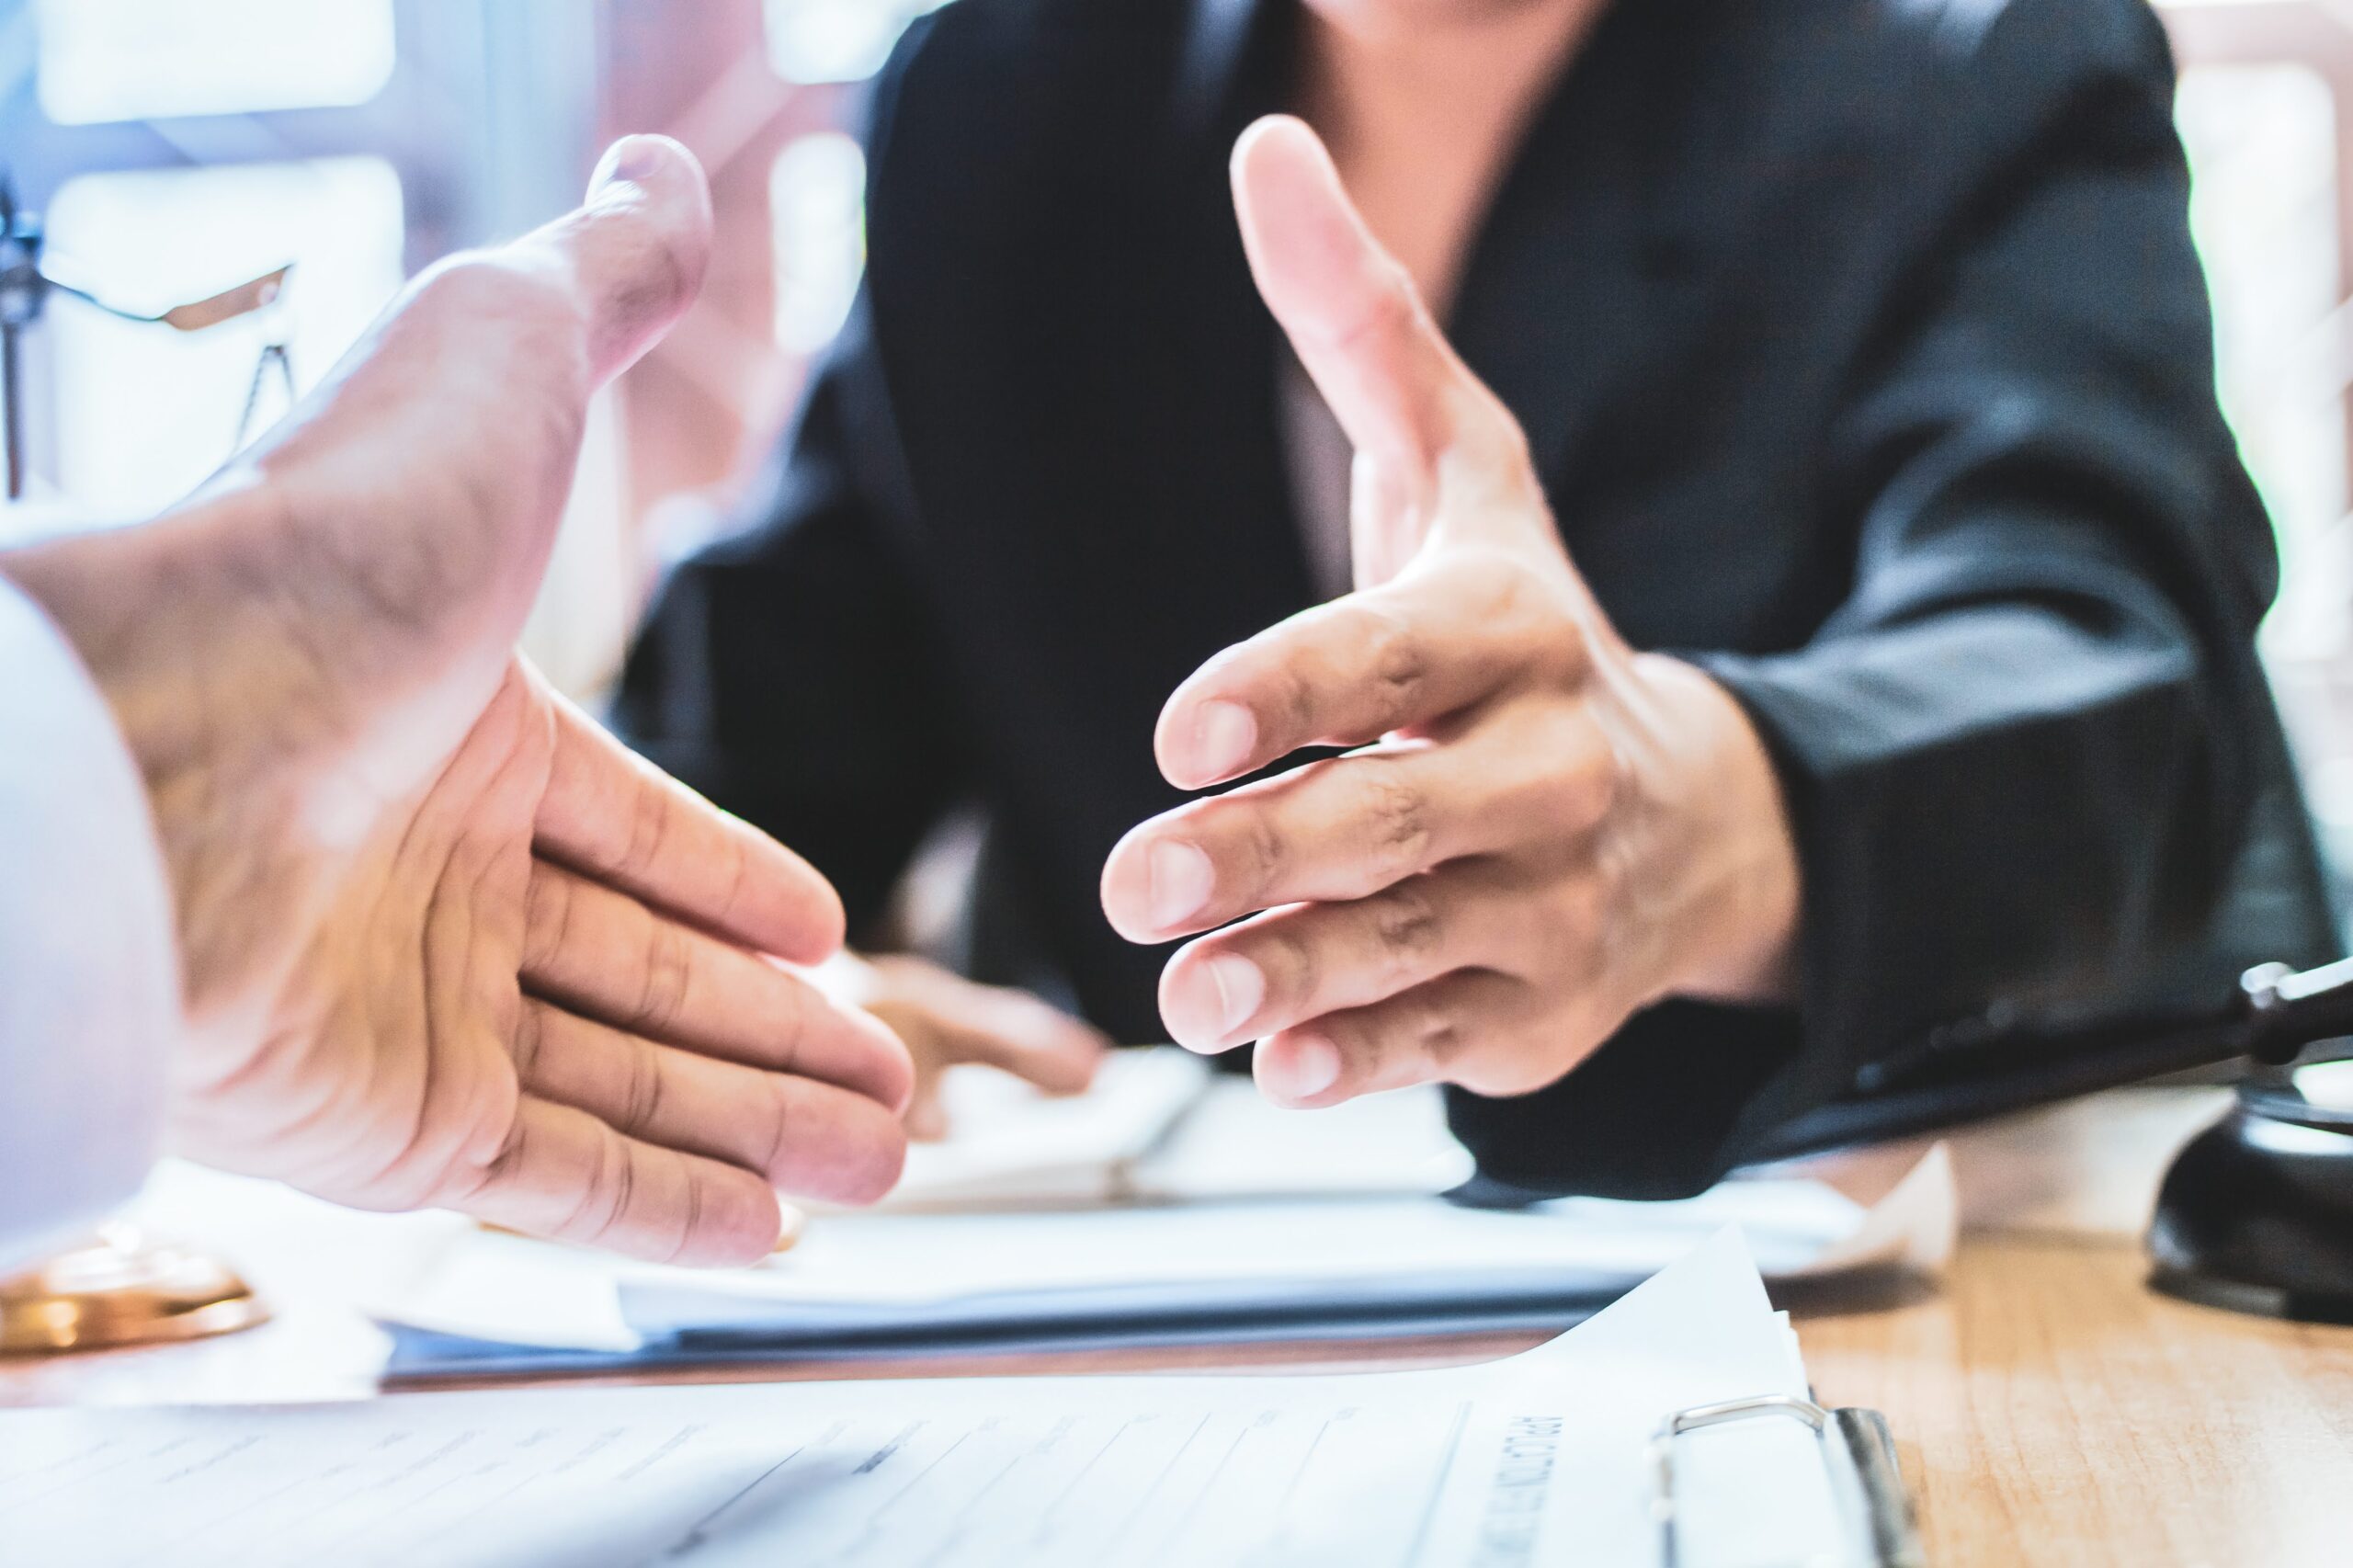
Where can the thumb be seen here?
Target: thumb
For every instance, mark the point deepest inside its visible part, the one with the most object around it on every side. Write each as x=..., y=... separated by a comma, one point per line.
x=1417, y=415
x=1350, y=310
x=637, y=249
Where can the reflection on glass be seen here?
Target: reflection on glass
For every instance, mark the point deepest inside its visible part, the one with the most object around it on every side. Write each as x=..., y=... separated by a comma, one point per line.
x=110, y=59
x=837, y=40
x=145, y=414
x=817, y=198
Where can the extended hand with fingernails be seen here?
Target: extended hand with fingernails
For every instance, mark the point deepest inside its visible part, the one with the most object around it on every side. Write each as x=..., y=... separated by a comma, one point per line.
x=1541, y=830
x=445, y=943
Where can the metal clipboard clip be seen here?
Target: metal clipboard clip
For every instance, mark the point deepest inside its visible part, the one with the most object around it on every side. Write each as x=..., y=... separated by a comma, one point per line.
x=1856, y=1448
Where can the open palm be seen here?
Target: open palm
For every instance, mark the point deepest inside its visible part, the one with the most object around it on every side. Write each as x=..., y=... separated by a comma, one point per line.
x=448, y=943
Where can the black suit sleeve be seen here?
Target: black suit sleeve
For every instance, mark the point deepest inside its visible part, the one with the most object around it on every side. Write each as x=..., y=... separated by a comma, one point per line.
x=2020, y=757
x=791, y=673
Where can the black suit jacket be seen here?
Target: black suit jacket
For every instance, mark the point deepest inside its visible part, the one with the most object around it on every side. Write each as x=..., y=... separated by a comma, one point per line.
x=1866, y=359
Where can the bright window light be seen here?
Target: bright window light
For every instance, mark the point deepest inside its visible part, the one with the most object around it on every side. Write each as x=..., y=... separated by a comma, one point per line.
x=817, y=198
x=837, y=40
x=115, y=60
x=2262, y=145
x=145, y=414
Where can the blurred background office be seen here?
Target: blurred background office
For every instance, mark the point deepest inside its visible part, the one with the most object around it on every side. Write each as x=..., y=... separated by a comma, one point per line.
x=173, y=147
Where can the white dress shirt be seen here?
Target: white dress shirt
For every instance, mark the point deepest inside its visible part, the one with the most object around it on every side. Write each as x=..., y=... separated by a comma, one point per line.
x=89, y=990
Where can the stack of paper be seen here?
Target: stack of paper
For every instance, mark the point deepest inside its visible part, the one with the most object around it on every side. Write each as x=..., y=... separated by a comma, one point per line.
x=1161, y=1125
x=1009, y=1145
x=1188, y=1211
x=1538, y=1459
x=1274, y=1268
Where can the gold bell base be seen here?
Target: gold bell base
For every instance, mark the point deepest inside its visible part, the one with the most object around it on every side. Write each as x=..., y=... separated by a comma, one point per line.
x=121, y=1290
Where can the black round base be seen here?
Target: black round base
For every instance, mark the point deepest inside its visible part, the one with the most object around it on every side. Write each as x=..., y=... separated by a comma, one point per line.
x=2256, y=1214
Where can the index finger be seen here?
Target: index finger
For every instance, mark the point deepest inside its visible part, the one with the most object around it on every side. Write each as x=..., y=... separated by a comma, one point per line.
x=613, y=816
x=605, y=954
x=1452, y=630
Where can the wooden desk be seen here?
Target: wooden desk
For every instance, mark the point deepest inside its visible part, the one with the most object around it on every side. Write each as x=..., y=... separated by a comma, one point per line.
x=2051, y=1409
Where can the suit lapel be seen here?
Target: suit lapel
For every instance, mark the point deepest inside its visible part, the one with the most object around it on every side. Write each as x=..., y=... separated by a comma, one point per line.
x=1251, y=569
x=1589, y=238
x=1594, y=247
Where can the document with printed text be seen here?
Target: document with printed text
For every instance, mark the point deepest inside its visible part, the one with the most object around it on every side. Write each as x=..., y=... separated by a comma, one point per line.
x=1536, y=1459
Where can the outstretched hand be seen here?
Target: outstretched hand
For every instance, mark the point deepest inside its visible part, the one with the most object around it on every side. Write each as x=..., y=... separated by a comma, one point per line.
x=445, y=943
x=1542, y=830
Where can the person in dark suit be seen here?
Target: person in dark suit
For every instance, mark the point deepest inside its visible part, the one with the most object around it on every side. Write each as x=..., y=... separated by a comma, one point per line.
x=1803, y=586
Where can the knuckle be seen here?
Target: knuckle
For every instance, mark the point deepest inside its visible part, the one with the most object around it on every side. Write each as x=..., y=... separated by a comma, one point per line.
x=1576, y=916
x=531, y=1036
x=649, y=830
x=783, y=1124
x=1398, y=664
x=1295, y=976
x=603, y=1194
x=1396, y=817
x=1517, y=594
x=665, y=977
x=739, y=878
x=1264, y=850
x=654, y=277
x=1365, y=1043
x=1437, y=1028
x=1294, y=696
x=1408, y=928
x=1526, y=607
x=1581, y=770
x=641, y=1097
x=620, y=1188
x=547, y=916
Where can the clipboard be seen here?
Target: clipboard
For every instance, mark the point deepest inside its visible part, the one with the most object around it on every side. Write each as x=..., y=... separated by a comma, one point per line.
x=1856, y=1448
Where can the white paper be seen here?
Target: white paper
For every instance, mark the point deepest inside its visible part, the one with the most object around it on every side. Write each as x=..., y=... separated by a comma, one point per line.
x=1534, y=1459
x=1160, y=1125
x=1007, y=1143
x=1237, y=1143
x=853, y=1271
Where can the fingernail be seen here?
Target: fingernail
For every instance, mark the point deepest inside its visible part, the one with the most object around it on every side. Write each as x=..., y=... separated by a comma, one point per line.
x=1223, y=734
x=1308, y=1065
x=633, y=160
x=1240, y=988
x=1179, y=880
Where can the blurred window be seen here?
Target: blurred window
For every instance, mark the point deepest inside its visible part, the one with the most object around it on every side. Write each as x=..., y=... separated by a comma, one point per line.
x=175, y=147
x=837, y=40
x=2262, y=144
x=117, y=60
x=145, y=414
x=2264, y=151
x=817, y=202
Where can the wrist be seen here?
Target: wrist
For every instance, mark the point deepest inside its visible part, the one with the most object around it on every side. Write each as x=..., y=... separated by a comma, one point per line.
x=1741, y=899
x=172, y=620
x=151, y=611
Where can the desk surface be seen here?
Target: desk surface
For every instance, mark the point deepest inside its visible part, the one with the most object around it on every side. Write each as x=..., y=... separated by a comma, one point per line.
x=2050, y=1409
